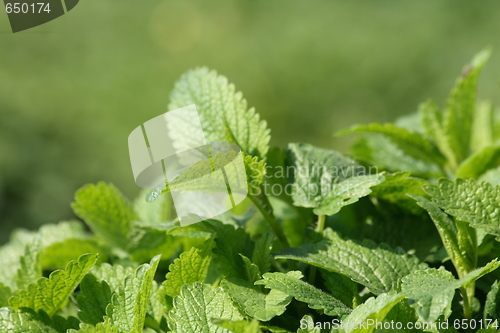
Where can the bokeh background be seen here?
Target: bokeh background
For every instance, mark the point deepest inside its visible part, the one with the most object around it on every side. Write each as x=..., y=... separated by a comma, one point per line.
x=73, y=89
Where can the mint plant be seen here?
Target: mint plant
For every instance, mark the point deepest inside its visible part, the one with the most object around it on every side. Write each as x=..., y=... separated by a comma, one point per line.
x=401, y=236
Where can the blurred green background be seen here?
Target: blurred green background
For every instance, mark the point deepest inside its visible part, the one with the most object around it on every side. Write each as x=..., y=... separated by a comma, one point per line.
x=73, y=89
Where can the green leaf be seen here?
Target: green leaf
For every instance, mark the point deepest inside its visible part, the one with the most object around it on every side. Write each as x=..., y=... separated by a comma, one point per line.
x=341, y=287
x=327, y=180
x=223, y=111
x=412, y=143
x=371, y=311
x=479, y=163
x=307, y=325
x=492, y=305
x=291, y=284
x=5, y=294
x=106, y=211
x=240, y=326
x=51, y=294
x=230, y=244
x=454, y=235
x=93, y=300
x=190, y=267
x=113, y=275
x=377, y=268
x=128, y=306
x=255, y=170
x=255, y=303
x=58, y=255
x=152, y=212
x=105, y=327
x=482, y=134
x=431, y=291
x=470, y=201
x=196, y=307
x=381, y=152
x=31, y=268
x=459, y=115
x=262, y=253
x=395, y=188
x=20, y=322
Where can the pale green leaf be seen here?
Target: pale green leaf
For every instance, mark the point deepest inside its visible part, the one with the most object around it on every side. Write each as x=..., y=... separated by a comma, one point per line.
x=20, y=322
x=113, y=275
x=190, y=267
x=106, y=211
x=454, y=235
x=482, y=127
x=59, y=254
x=381, y=152
x=31, y=268
x=5, y=294
x=377, y=268
x=253, y=302
x=371, y=311
x=412, y=143
x=152, y=212
x=128, y=306
x=51, y=294
x=240, y=326
x=469, y=200
x=196, y=307
x=307, y=325
x=105, y=327
x=291, y=284
x=479, y=163
x=327, y=180
x=431, y=291
x=395, y=188
x=223, y=112
x=459, y=115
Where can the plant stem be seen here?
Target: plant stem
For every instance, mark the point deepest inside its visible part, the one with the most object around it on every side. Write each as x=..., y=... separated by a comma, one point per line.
x=267, y=212
x=467, y=308
x=319, y=228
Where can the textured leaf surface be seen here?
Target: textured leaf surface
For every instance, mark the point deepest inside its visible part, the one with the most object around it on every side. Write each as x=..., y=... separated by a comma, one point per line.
x=113, y=275
x=106, y=212
x=93, y=300
x=327, y=180
x=412, y=143
x=291, y=284
x=431, y=291
x=307, y=325
x=223, y=112
x=469, y=200
x=197, y=306
x=381, y=152
x=492, y=306
x=128, y=306
x=190, y=267
x=58, y=255
x=51, y=294
x=262, y=253
x=105, y=327
x=371, y=311
x=454, y=235
x=255, y=303
x=5, y=294
x=459, y=115
x=479, y=163
x=395, y=188
x=31, y=268
x=240, y=326
x=377, y=268
x=20, y=322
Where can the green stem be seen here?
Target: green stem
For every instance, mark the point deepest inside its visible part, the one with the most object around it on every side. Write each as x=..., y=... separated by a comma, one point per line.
x=319, y=228
x=467, y=308
x=267, y=212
